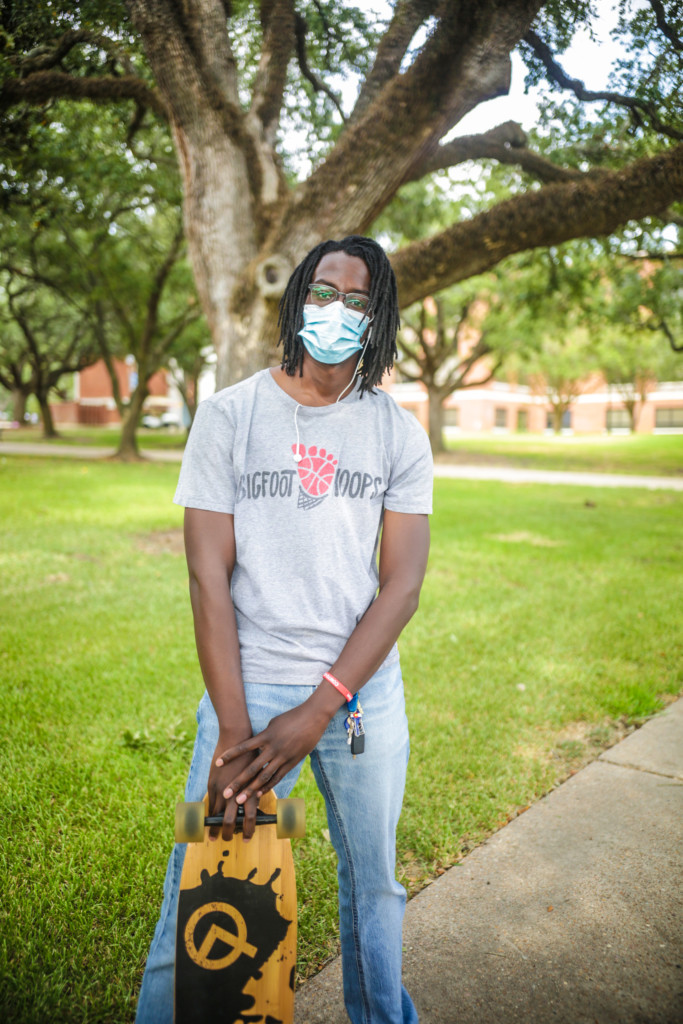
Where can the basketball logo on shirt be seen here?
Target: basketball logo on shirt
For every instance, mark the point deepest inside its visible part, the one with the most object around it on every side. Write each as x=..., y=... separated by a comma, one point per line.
x=316, y=470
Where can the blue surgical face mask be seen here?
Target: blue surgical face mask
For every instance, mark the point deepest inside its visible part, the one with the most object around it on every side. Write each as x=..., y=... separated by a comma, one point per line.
x=332, y=333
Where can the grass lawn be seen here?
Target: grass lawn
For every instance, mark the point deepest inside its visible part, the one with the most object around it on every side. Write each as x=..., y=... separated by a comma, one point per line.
x=651, y=454
x=99, y=437
x=548, y=628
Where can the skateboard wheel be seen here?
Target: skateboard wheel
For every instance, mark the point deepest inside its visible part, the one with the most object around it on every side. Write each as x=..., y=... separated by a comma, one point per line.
x=291, y=818
x=189, y=822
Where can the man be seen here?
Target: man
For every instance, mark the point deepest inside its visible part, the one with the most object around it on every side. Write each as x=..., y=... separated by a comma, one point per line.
x=293, y=481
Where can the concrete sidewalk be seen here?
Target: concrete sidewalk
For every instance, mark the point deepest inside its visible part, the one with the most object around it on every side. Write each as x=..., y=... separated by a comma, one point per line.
x=506, y=474
x=514, y=475
x=570, y=914
x=81, y=451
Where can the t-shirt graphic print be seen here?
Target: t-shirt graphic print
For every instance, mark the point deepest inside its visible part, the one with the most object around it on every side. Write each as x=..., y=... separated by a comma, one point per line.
x=316, y=469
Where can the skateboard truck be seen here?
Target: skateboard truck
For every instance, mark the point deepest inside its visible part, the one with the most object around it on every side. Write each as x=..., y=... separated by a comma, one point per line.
x=191, y=820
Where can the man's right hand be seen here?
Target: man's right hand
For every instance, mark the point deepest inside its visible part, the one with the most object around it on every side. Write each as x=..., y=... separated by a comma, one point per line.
x=219, y=779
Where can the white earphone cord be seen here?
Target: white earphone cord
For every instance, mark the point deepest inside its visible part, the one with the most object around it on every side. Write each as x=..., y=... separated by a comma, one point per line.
x=358, y=365
x=297, y=454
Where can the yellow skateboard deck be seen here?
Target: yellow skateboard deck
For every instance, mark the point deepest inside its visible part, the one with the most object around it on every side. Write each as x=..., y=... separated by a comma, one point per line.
x=236, y=929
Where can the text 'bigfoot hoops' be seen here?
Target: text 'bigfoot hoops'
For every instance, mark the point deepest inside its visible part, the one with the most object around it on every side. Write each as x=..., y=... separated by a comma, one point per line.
x=316, y=468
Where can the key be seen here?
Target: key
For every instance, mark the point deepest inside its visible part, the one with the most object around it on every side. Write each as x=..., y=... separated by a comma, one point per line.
x=357, y=737
x=357, y=743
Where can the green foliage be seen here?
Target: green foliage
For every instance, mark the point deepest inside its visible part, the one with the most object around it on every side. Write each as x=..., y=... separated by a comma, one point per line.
x=340, y=43
x=558, y=22
x=113, y=191
x=86, y=224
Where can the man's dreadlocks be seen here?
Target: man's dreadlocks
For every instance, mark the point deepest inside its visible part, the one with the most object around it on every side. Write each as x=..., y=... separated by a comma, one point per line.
x=383, y=305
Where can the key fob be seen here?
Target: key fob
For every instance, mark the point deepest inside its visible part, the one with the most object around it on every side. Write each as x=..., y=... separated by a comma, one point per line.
x=357, y=743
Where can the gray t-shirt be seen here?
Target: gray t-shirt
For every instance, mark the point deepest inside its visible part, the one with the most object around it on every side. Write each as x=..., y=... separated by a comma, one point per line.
x=306, y=532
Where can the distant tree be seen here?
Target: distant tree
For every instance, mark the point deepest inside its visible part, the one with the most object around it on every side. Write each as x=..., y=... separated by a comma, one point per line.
x=146, y=289
x=446, y=351
x=638, y=346
x=97, y=234
x=188, y=365
x=561, y=368
x=553, y=302
x=43, y=341
x=44, y=334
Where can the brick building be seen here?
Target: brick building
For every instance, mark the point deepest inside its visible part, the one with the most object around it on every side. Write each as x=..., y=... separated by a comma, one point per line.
x=93, y=402
x=505, y=408
x=497, y=406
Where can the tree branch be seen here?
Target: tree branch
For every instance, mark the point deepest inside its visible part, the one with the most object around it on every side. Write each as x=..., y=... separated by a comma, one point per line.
x=506, y=143
x=656, y=257
x=671, y=217
x=271, y=77
x=591, y=207
x=465, y=60
x=159, y=283
x=301, y=29
x=409, y=15
x=664, y=27
x=50, y=58
x=189, y=49
x=42, y=86
x=558, y=75
x=663, y=326
x=161, y=349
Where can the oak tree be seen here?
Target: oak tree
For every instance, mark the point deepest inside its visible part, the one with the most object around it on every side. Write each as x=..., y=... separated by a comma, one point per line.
x=234, y=80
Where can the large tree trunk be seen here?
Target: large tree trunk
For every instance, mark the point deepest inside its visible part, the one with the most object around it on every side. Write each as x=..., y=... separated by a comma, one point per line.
x=220, y=233
x=227, y=178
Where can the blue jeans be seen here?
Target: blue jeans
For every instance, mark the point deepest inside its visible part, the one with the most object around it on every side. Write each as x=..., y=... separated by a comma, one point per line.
x=363, y=798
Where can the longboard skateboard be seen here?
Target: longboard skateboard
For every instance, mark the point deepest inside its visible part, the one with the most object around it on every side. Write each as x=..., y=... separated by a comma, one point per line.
x=236, y=928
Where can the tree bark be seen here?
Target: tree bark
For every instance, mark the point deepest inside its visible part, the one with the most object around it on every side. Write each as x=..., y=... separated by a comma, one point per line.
x=128, y=450
x=19, y=405
x=221, y=167
x=589, y=208
x=436, y=418
x=49, y=430
x=558, y=413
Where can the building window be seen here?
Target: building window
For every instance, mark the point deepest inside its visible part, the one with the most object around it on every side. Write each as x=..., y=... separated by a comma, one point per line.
x=501, y=420
x=566, y=420
x=669, y=419
x=451, y=416
x=522, y=420
x=618, y=419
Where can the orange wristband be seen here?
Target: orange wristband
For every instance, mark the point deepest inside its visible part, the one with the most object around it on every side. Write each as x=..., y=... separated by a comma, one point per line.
x=338, y=686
